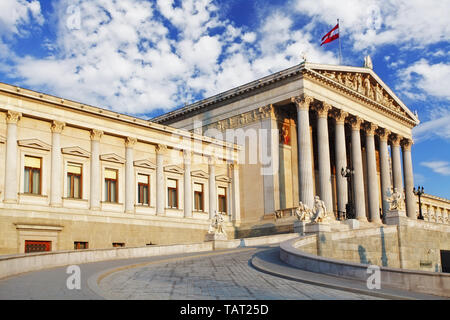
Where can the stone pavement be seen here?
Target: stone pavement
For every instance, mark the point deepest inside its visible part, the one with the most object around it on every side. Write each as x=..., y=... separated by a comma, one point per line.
x=227, y=276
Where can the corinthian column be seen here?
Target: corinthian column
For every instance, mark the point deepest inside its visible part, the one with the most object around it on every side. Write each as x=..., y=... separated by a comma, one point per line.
x=95, y=170
x=56, y=172
x=324, y=155
x=396, y=163
x=358, y=182
x=372, y=181
x=409, y=179
x=386, y=185
x=160, y=150
x=187, y=155
x=212, y=186
x=12, y=118
x=304, y=150
x=341, y=160
x=236, y=195
x=129, y=175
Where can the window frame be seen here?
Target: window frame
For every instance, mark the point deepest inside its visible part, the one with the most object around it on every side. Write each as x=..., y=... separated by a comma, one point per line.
x=219, y=196
x=70, y=178
x=202, y=194
x=176, y=194
x=148, y=190
x=30, y=182
x=108, y=186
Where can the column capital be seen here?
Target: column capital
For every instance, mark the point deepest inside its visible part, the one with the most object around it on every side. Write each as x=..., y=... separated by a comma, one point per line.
x=302, y=102
x=160, y=148
x=267, y=111
x=212, y=160
x=13, y=116
x=406, y=144
x=339, y=115
x=383, y=133
x=130, y=142
x=96, y=134
x=57, y=126
x=322, y=109
x=187, y=155
x=395, y=139
x=370, y=128
x=355, y=122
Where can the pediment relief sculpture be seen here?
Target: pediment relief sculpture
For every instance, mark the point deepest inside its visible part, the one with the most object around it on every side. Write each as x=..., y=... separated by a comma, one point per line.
x=35, y=144
x=76, y=151
x=365, y=85
x=112, y=157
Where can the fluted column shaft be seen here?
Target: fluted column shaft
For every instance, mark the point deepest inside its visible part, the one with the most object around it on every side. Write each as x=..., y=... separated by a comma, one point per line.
x=95, y=183
x=187, y=184
x=236, y=193
x=304, y=150
x=384, y=168
x=358, y=182
x=396, y=163
x=129, y=175
x=56, y=172
x=409, y=179
x=324, y=156
x=160, y=149
x=341, y=161
x=372, y=181
x=212, y=187
x=11, y=185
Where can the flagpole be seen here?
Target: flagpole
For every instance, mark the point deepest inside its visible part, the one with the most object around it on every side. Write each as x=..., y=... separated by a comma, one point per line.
x=340, y=49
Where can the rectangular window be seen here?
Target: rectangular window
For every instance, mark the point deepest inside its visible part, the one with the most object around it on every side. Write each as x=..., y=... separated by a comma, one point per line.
x=118, y=244
x=80, y=245
x=143, y=189
x=172, y=189
x=222, y=199
x=111, y=185
x=198, y=197
x=74, y=180
x=32, y=175
x=37, y=246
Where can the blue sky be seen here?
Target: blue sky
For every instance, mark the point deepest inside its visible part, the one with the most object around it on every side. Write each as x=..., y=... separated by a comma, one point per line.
x=149, y=57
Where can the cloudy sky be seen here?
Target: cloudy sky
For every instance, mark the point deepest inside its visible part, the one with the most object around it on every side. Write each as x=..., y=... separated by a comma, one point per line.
x=149, y=57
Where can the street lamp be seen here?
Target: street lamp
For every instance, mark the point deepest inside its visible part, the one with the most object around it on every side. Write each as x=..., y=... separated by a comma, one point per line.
x=418, y=193
x=348, y=173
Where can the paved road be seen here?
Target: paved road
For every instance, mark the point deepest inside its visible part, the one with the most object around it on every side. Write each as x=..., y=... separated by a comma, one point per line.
x=210, y=275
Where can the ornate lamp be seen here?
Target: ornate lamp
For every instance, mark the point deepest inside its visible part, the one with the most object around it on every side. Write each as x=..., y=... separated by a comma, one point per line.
x=419, y=193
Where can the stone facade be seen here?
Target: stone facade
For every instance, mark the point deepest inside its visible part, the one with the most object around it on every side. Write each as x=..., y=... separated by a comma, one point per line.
x=72, y=173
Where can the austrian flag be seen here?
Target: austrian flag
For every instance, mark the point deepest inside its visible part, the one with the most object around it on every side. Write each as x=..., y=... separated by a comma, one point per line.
x=332, y=35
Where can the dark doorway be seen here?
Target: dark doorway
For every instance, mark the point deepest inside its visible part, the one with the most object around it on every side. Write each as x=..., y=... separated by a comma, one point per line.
x=445, y=260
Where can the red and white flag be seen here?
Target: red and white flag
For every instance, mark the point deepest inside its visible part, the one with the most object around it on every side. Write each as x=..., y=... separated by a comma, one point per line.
x=332, y=35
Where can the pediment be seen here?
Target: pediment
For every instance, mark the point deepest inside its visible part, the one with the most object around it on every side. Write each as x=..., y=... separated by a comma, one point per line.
x=365, y=83
x=200, y=174
x=35, y=144
x=2, y=139
x=223, y=178
x=76, y=151
x=144, y=164
x=173, y=169
x=112, y=157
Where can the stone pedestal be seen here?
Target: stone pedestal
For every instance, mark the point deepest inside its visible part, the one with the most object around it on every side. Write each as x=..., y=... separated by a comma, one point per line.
x=317, y=227
x=352, y=223
x=216, y=236
x=395, y=217
x=299, y=227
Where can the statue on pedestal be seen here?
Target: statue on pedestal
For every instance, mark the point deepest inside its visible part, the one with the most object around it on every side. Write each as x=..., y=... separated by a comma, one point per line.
x=395, y=200
x=303, y=213
x=216, y=226
x=319, y=210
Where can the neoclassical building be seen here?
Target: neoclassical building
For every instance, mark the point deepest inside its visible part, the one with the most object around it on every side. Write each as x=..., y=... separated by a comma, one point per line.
x=75, y=176
x=317, y=121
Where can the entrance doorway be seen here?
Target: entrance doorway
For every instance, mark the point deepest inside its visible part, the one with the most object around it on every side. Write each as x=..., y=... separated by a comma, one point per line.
x=445, y=260
x=37, y=246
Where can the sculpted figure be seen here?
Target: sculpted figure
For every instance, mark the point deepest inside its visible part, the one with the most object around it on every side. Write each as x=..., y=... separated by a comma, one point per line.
x=320, y=211
x=303, y=213
x=216, y=225
x=359, y=83
x=368, y=62
x=339, y=78
x=367, y=86
x=378, y=93
x=349, y=80
x=395, y=200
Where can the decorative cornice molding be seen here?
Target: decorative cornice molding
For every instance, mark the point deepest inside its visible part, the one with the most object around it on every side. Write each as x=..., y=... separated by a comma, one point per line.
x=223, y=178
x=35, y=144
x=112, y=157
x=146, y=163
x=173, y=169
x=200, y=174
x=76, y=151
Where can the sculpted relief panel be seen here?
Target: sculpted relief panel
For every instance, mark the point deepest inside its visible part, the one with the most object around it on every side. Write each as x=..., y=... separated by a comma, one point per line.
x=365, y=85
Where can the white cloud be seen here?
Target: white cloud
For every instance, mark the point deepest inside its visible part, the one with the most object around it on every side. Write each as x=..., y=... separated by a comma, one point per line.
x=441, y=167
x=437, y=126
x=14, y=14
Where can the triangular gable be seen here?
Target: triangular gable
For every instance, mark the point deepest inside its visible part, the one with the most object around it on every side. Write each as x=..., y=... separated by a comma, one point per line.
x=35, y=144
x=112, y=157
x=173, y=169
x=365, y=82
x=144, y=164
x=2, y=139
x=200, y=174
x=76, y=151
x=223, y=178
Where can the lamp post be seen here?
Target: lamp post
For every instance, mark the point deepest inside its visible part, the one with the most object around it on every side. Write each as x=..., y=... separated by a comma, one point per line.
x=348, y=173
x=419, y=193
